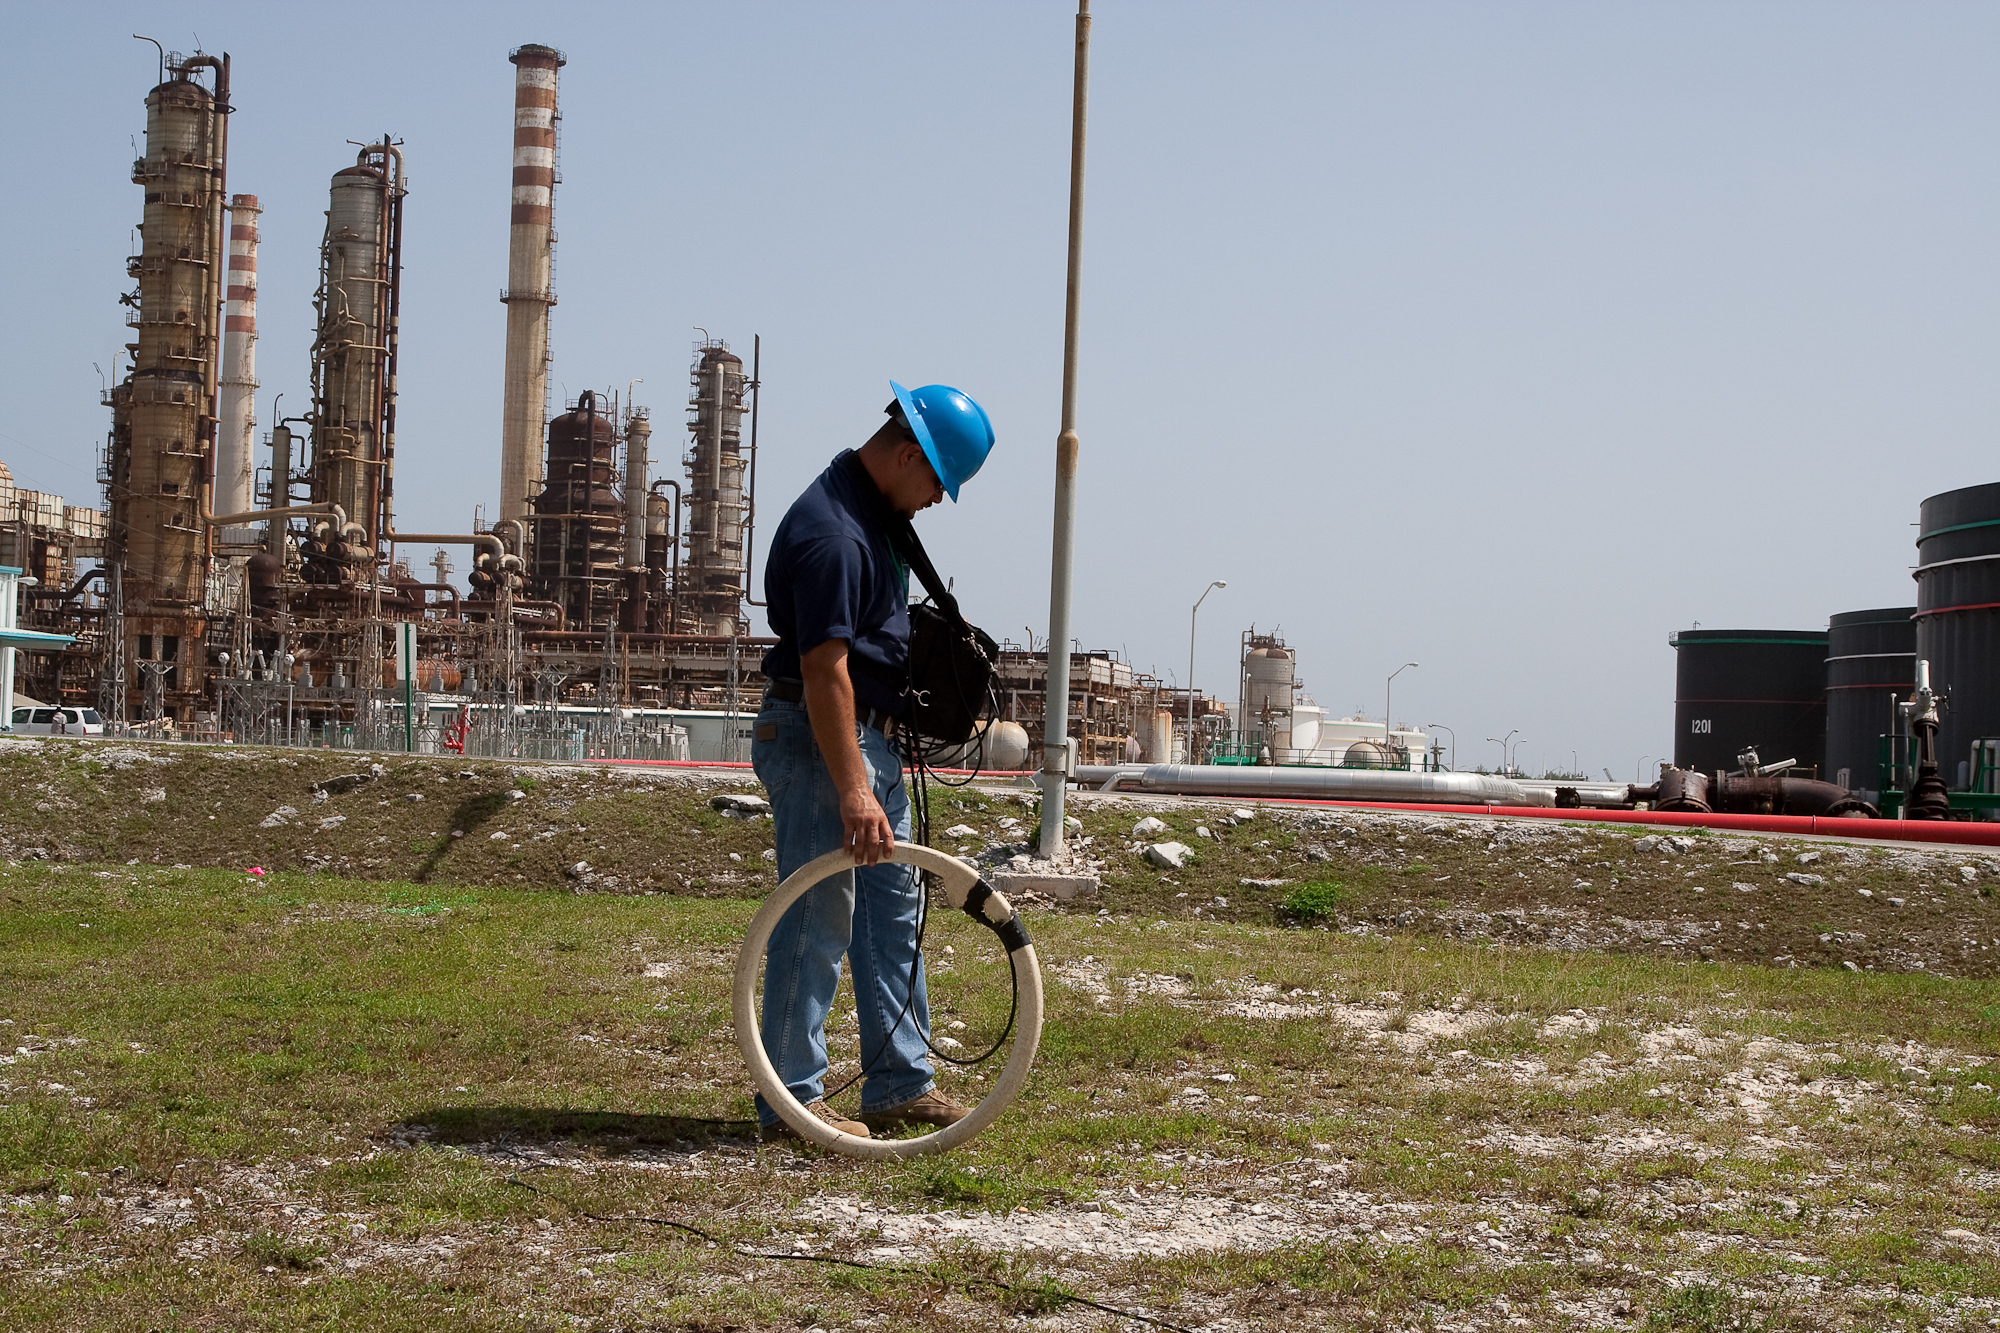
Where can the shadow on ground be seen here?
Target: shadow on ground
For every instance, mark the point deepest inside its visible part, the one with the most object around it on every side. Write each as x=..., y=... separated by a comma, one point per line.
x=469, y=815
x=606, y=1131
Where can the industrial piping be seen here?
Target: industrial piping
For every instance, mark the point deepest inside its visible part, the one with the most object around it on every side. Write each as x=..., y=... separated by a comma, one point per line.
x=1303, y=783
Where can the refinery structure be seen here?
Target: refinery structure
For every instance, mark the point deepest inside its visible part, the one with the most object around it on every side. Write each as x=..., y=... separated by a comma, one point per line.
x=248, y=581
x=253, y=584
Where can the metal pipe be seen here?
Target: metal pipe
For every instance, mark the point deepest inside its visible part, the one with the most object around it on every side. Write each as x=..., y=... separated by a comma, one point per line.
x=449, y=539
x=1301, y=783
x=392, y=328
x=750, y=500
x=674, y=582
x=444, y=588
x=1055, y=733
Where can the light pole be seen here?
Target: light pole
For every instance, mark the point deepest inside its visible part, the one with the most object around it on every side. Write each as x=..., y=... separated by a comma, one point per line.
x=1388, y=736
x=1639, y=773
x=1439, y=726
x=1574, y=770
x=1502, y=743
x=1218, y=583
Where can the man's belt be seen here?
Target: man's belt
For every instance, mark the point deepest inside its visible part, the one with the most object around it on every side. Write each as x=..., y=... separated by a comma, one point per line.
x=794, y=692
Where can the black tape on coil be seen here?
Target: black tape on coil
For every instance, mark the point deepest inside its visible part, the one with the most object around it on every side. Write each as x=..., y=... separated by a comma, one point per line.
x=1013, y=935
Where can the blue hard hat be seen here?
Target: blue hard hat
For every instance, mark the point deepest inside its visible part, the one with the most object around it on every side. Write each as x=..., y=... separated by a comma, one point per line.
x=953, y=430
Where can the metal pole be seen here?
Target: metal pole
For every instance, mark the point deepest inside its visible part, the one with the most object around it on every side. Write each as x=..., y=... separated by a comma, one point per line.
x=1218, y=583
x=1388, y=737
x=1055, y=731
x=1439, y=726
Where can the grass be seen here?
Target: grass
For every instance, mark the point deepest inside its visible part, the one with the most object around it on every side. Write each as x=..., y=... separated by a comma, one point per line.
x=316, y=1101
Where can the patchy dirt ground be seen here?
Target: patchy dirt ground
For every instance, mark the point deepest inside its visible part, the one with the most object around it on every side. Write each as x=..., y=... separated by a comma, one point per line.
x=637, y=829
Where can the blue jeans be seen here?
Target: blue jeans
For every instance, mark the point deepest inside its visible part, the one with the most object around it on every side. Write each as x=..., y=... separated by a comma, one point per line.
x=873, y=922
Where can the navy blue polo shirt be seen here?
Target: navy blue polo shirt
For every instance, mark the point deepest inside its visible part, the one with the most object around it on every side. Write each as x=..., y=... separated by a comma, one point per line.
x=830, y=574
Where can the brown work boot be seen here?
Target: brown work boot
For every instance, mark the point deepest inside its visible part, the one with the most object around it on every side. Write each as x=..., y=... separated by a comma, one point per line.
x=781, y=1130
x=930, y=1111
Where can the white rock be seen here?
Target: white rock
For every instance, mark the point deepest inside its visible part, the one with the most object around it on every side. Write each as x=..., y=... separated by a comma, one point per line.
x=1649, y=843
x=770, y=853
x=1961, y=1235
x=1798, y=877
x=1242, y=816
x=1169, y=855
x=739, y=803
x=1807, y=858
x=961, y=831
x=1968, y=874
x=1201, y=831
x=277, y=817
x=516, y=794
x=1866, y=893
x=1147, y=827
x=332, y=822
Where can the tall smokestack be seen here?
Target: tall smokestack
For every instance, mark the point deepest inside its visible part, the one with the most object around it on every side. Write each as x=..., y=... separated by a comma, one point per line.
x=528, y=296
x=236, y=429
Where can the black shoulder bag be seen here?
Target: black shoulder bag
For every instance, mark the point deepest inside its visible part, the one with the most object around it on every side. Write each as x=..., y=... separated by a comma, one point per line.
x=951, y=661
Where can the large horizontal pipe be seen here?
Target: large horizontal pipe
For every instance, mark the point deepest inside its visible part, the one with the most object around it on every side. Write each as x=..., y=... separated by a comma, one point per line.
x=448, y=539
x=1829, y=826
x=1321, y=784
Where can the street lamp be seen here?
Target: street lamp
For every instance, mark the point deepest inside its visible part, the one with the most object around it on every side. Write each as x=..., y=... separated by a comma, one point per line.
x=1502, y=743
x=1639, y=773
x=1388, y=737
x=1439, y=726
x=1218, y=583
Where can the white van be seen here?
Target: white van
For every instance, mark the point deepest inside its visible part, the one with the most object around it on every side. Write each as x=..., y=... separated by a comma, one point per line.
x=42, y=722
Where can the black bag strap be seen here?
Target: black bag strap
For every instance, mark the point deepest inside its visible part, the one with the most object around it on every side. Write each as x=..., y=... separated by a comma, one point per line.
x=904, y=541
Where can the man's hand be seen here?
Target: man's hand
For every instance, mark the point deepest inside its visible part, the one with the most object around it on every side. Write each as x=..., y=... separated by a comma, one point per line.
x=866, y=831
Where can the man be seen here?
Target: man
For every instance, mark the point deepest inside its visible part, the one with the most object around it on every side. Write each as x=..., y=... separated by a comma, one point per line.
x=824, y=748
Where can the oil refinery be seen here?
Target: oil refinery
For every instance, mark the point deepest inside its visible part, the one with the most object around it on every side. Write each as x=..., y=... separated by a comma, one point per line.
x=248, y=581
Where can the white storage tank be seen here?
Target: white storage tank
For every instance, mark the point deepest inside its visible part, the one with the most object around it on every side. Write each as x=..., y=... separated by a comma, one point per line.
x=1268, y=672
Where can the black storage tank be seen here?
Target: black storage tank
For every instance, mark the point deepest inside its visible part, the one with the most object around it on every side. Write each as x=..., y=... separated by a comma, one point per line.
x=1735, y=689
x=1958, y=616
x=1871, y=662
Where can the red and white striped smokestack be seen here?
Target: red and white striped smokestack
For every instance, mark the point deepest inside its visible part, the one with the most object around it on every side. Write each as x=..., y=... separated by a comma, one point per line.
x=524, y=404
x=236, y=428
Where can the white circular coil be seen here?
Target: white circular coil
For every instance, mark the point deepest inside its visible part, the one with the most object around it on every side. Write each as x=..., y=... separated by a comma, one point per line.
x=965, y=891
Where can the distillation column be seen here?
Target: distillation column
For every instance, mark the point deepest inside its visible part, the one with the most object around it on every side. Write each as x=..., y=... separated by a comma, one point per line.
x=712, y=578
x=353, y=396
x=164, y=418
x=530, y=293
x=236, y=427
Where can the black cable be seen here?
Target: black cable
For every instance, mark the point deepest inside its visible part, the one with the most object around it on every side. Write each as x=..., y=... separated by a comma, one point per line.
x=792, y=1255
x=917, y=755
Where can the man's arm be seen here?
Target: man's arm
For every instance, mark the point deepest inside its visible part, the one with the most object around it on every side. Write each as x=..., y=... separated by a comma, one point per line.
x=830, y=708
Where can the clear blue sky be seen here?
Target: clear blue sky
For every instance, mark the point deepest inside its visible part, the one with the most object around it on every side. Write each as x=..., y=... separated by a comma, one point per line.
x=1504, y=338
